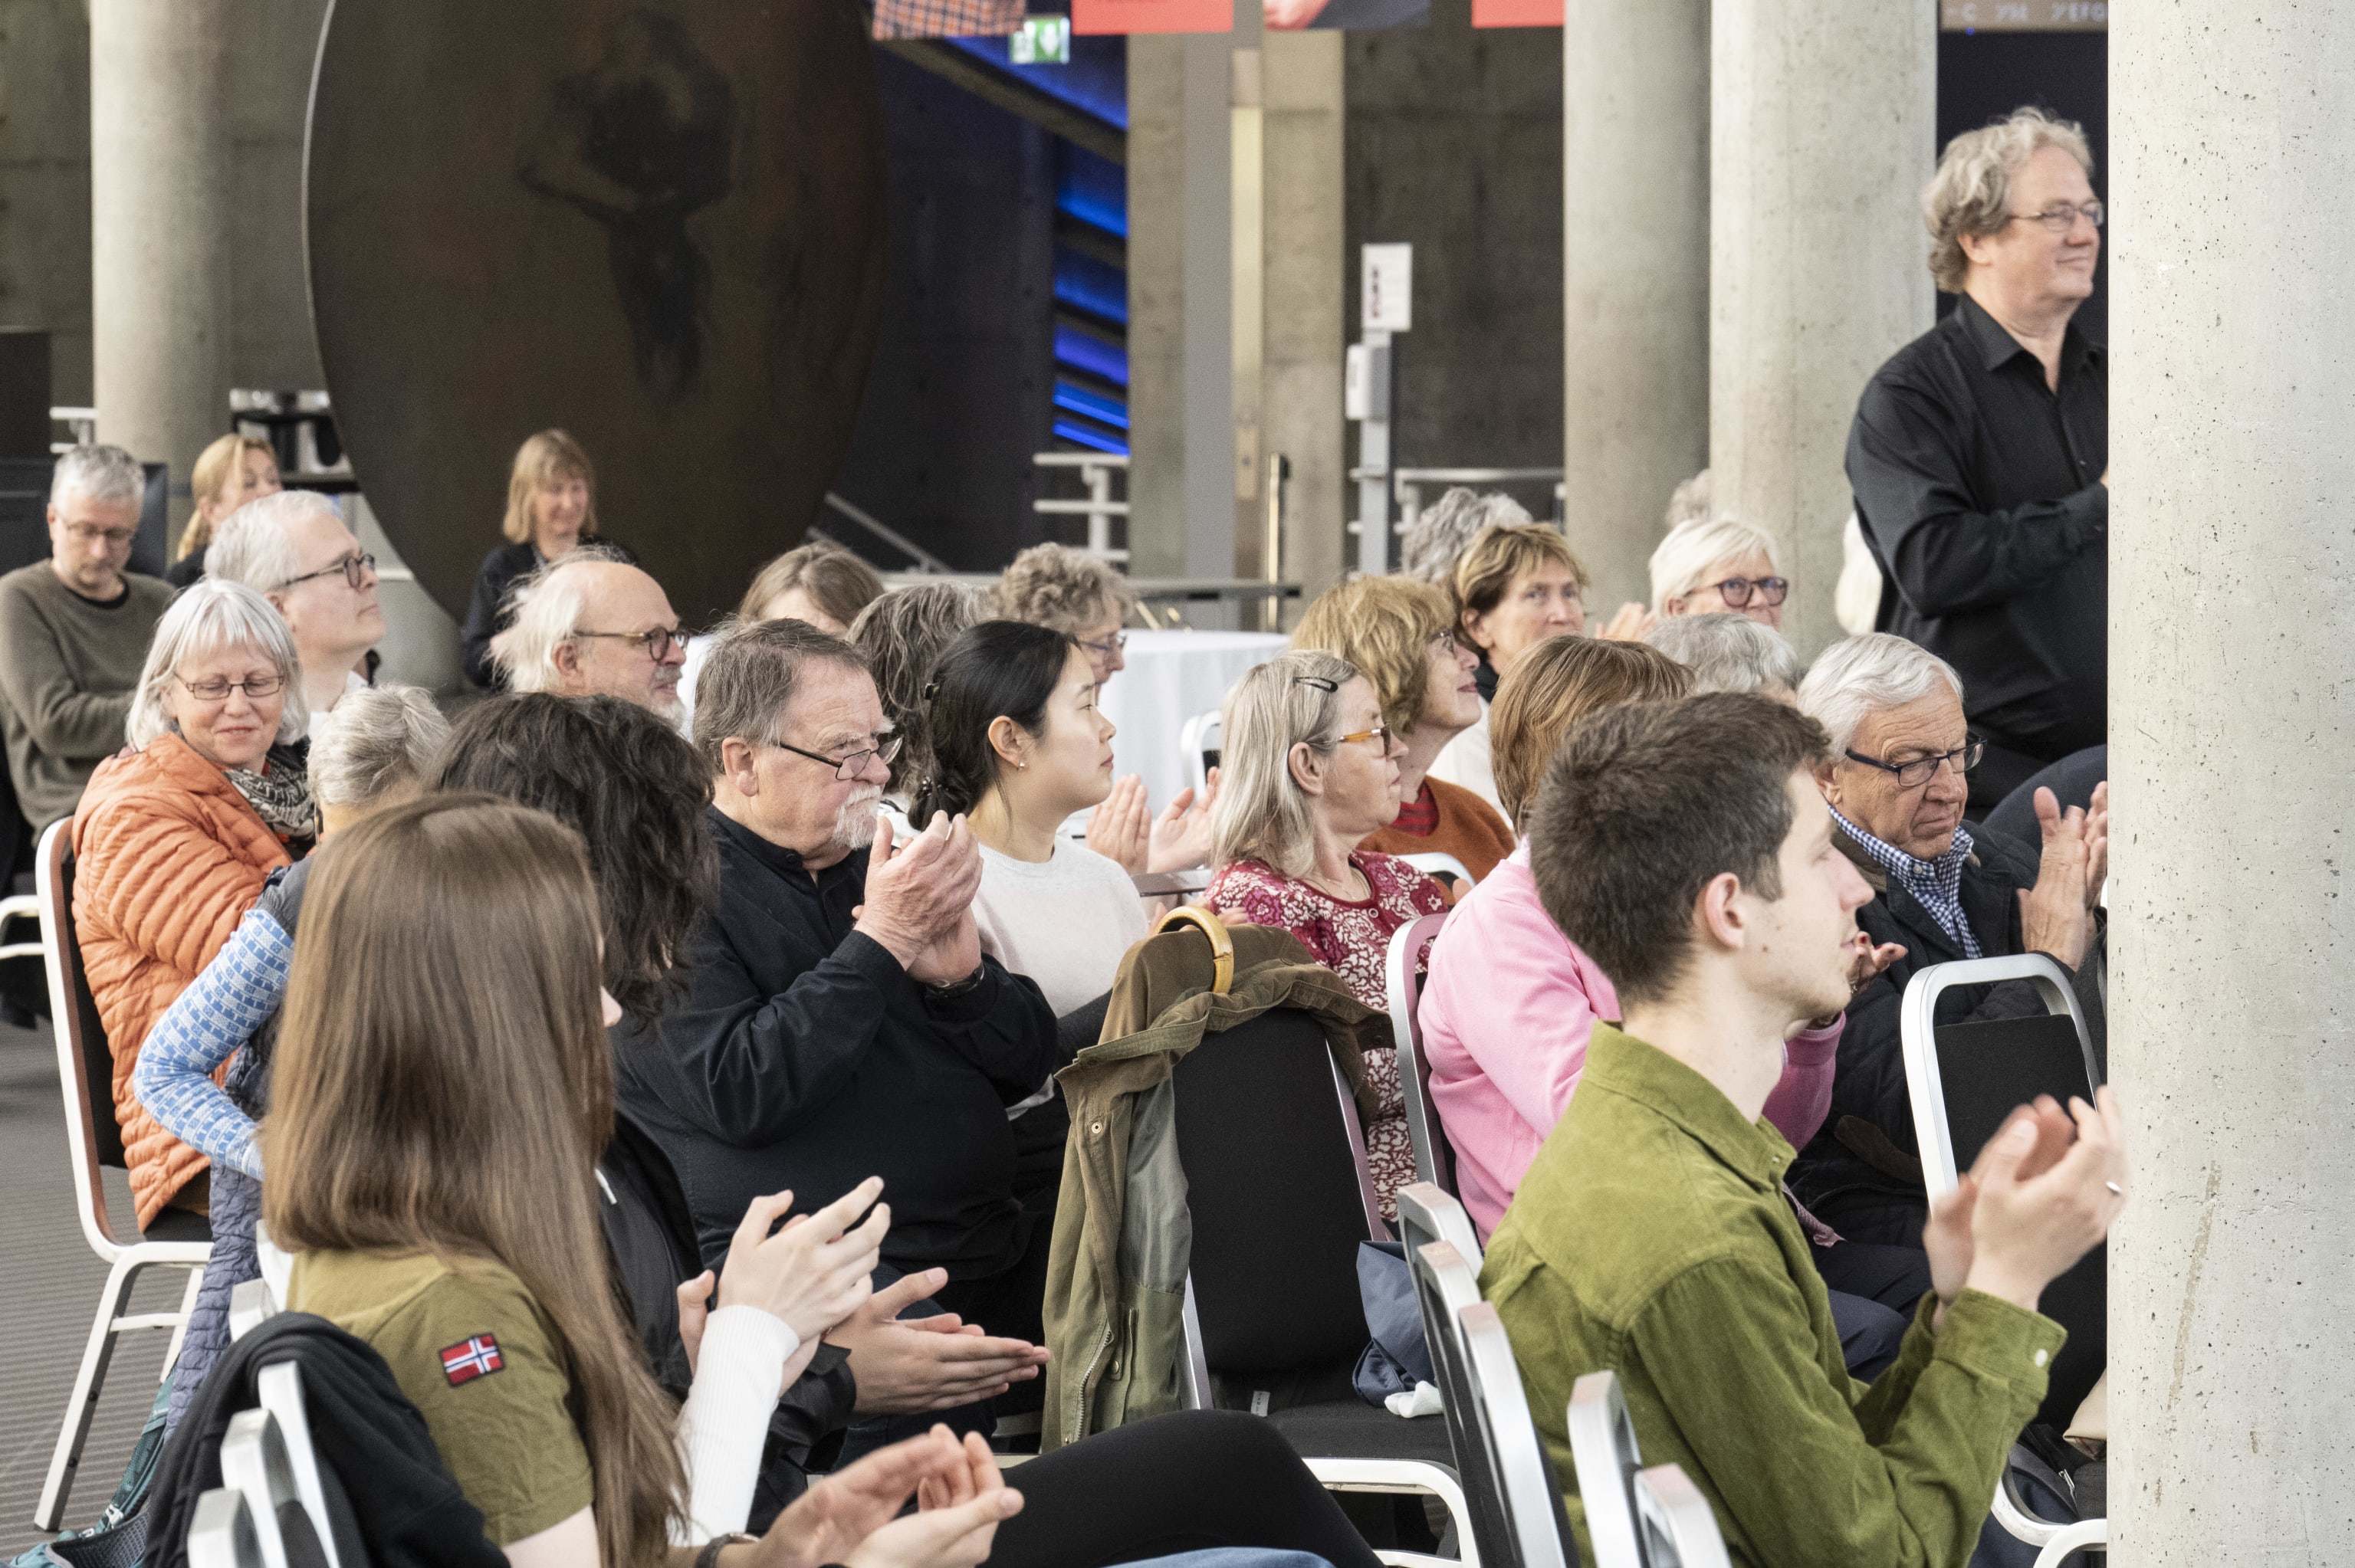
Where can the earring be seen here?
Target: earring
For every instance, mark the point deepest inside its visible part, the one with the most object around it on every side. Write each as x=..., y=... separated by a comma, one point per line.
x=1020, y=766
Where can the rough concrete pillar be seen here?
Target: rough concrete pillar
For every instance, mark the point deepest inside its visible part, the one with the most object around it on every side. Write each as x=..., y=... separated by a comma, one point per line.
x=2231, y=717
x=1636, y=273
x=1306, y=284
x=45, y=182
x=161, y=197
x=1181, y=341
x=1822, y=132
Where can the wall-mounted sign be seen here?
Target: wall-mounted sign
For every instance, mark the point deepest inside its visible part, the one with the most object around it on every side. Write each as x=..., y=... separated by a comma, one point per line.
x=2019, y=15
x=1041, y=40
x=1386, y=292
x=1152, y=15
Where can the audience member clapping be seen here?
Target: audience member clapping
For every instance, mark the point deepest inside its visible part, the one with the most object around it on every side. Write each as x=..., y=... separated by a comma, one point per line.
x=376, y=750
x=1684, y=846
x=1399, y=634
x=551, y=509
x=294, y=549
x=174, y=838
x=226, y=474
x=592, y=624
x=1312, y=770
x=1895, y=779
x=1709, y=566
x=901, y=636
x=1730, y=652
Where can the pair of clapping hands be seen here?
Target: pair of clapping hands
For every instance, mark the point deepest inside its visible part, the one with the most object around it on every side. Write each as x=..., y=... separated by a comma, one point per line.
x=1124, y=828
x=2056, y=915
x=815, y=1273
x=2042, y=1195
x=919, y=898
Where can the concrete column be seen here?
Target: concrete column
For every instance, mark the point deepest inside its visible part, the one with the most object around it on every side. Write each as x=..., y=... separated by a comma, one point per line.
x=1636, y=274
x=2233, y=717
x=161, y=197
x=1306, y=282
x=1822, y=132
x=1181, y=286
x=45, y=182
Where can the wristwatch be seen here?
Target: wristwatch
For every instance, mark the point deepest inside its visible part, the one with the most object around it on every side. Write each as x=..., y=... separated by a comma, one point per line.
x=709, y=1556
x=957, y=988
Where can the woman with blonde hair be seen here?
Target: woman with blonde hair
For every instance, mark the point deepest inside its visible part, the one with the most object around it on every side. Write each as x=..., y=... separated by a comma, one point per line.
x=433, y=1150
x=231, y=472
x=551, y=510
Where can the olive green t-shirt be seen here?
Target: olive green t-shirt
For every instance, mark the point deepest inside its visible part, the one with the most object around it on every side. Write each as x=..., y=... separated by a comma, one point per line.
x=478, y=1358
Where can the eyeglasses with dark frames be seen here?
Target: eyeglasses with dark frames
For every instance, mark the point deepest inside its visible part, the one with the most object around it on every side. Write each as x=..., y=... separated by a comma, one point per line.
x=2060, y=218
x=846, y=768
x=351, y=568
x=1915, y=773
x=1737, y=592
x=657, y=641
x=255, y=687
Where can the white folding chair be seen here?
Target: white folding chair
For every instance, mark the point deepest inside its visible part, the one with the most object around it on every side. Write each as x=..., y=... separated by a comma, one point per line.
x=1433, y=1161
x=255, y=1462
x=1603, y=1447
x=221, y=1533
x=1197, y=739
x=280, y=1386
x=1524, y=1481
x=1680, y=1530
x=84, y=1076
x=1426, y=1215
x=22, y=907
x=251, y=1304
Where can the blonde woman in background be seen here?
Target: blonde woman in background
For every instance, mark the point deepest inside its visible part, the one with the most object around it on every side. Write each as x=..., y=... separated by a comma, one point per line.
x=231, y=472
x=551, y=510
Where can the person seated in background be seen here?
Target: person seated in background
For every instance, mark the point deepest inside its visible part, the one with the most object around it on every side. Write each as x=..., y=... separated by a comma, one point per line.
x=1444, y=530
x=231, y=472
x=1684, y=845
x=1712, y=566
x=377, y=750
x=820, y=584
x=1398, y=632
x=839, y=1016
x=1730, y=652
x=1313, y=772
x=1514, y=588
x=294, y=549
x=901, y=636
x=176, y=837
x=1896, y=782
x=591, y=625
x=74, y=629
x=551, y=510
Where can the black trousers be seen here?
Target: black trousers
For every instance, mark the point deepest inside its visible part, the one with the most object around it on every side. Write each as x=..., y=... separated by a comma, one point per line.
x=1186, y=1482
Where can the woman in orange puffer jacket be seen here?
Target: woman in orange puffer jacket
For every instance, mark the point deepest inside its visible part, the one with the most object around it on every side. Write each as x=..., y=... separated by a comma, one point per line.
x=176, y=836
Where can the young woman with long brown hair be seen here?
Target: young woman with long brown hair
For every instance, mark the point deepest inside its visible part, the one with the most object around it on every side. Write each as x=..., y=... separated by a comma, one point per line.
x=444, y=1088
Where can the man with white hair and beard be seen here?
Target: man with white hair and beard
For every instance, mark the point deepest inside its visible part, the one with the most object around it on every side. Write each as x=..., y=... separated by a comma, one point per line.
x=591, y=625
x=838, y=1019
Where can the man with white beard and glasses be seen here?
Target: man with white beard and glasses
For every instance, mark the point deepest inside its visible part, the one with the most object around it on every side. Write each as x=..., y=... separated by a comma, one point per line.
x=837, y=1018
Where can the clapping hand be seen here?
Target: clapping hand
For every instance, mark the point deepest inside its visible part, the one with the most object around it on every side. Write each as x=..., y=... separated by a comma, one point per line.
x=812, y=1274
x=1632, y=624
x=920, y=893
x=1120, y=829
x=1181, y=834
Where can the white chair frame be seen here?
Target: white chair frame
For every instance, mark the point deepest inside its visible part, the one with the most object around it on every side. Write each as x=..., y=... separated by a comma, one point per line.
x=221, y=1533
x=126, y=1261
x=1200, y=734
x=1603, y=1447
x=1680, y=1530
x=1404, y=993
x=1431, y=863
x=1427, y=1214
x=1528, y=1503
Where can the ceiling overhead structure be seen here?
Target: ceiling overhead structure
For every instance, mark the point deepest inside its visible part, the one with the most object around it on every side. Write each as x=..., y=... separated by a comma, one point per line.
x=657, y=225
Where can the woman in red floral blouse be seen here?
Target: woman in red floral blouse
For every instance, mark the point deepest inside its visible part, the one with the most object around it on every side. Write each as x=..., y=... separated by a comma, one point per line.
x=1310, y=771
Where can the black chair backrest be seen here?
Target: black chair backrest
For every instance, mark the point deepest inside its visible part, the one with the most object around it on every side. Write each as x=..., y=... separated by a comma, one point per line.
x=96, y=1058
x=1987, y=1069
x=1273, y=1191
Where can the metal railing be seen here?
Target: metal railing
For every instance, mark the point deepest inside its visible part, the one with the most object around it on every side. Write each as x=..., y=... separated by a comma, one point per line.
x=1099, y=508
x=1407, y=484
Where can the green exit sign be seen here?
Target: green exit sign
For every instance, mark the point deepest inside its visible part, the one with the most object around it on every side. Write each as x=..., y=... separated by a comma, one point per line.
x=1041, y=40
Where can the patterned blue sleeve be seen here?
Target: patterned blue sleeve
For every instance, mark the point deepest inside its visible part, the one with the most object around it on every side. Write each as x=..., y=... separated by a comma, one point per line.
x=221, y=1010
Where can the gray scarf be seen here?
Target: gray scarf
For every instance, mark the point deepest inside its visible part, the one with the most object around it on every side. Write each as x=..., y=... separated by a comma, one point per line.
x=281, y=797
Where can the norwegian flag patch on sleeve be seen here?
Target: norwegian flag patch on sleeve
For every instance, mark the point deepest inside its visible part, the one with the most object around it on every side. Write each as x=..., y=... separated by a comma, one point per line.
x=478, y=1356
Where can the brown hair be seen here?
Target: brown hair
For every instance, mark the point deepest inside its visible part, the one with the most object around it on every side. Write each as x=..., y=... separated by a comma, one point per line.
x=901, y=636
x=1487, y=567
x=1383, y=626
x=1643, y=804
x=841, y=583
x=1554, y=685
x=550, y=455
x=443, y=1085
x=215, y=466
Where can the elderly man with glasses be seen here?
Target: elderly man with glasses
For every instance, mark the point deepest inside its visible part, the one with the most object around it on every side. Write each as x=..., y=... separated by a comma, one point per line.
x=1979, y=457
x=837, y=1018
x=591, y=625
x=1942, y=891
x=74, y=629
x=294, y=549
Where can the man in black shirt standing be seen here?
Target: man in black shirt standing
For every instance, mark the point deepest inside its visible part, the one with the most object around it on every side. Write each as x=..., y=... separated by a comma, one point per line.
x=1981, y=453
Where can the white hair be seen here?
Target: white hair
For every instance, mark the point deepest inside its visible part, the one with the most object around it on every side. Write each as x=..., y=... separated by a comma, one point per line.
x=1445, y=529
x=1695, y=548
x=1690, y=500
x=253, y=545
x=1728, y=652
x=374, y=742
x=544, y=615
x=99, y=472
x=208, y=617
x=1865, y=674
x=1971, y=191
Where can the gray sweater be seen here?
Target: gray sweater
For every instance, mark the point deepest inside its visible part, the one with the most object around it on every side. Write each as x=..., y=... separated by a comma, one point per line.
x=67, y=668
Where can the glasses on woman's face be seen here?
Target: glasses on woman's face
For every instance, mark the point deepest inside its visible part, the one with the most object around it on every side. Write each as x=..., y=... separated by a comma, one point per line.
x=1739, y=593
x=1444, y=643
x=1915, y=772
x=255, y=687
x=1379, y=734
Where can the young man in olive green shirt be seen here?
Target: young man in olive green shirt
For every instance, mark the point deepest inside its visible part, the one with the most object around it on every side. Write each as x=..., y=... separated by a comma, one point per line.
x=1684, y=847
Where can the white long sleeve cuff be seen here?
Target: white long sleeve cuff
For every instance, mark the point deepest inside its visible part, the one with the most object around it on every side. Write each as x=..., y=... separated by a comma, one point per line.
x=738, y=1376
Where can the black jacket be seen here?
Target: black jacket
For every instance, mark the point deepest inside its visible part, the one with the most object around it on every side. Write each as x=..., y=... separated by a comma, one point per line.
x=1875, y=1159
x=803, y=1056
x=377, y=1460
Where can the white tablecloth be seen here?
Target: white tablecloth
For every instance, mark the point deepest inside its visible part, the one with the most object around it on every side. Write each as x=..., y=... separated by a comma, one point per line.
x=1172, y=676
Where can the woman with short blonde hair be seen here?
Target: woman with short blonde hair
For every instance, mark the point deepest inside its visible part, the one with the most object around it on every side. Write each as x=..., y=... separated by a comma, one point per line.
x=551, y=510
x=1710, y=566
